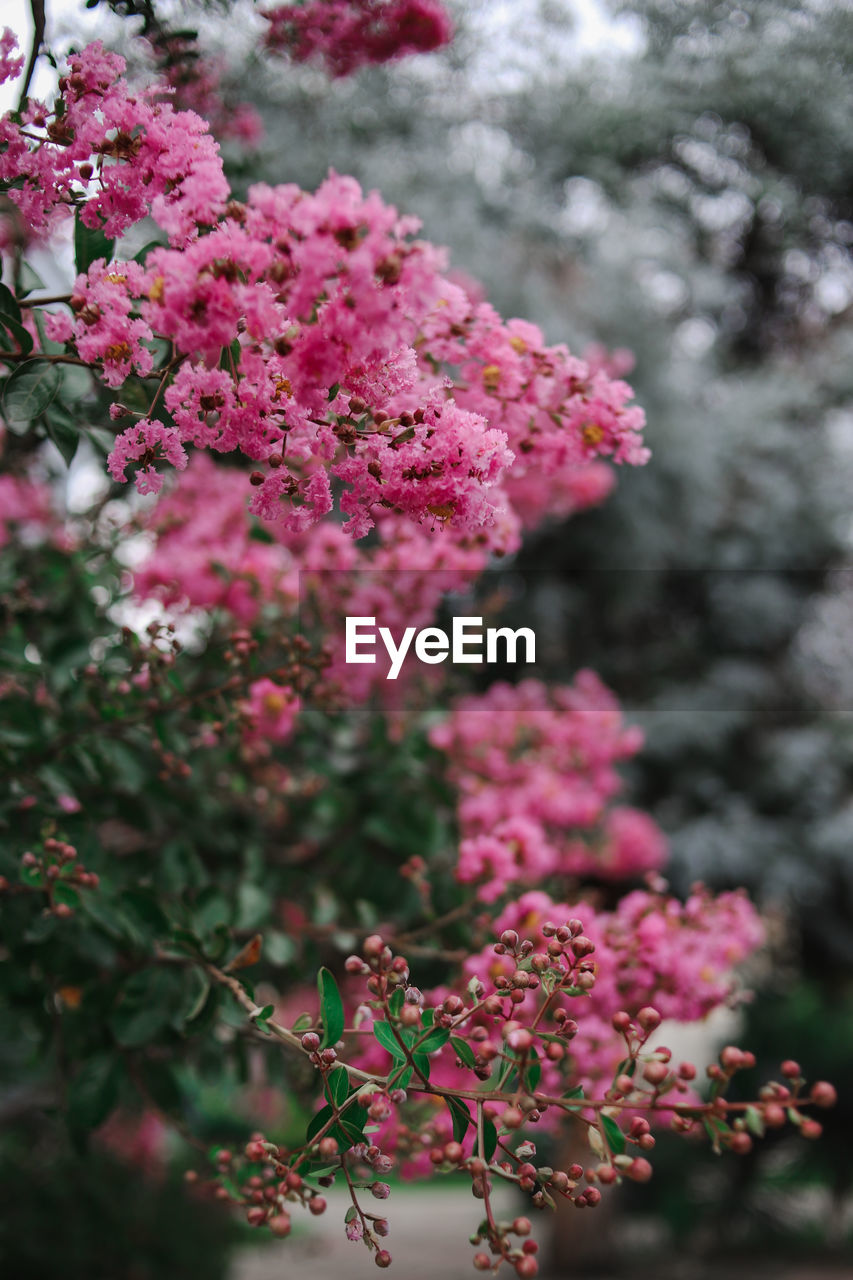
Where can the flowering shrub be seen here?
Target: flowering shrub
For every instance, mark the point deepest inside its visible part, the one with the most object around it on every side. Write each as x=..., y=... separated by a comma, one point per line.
x=326, y=418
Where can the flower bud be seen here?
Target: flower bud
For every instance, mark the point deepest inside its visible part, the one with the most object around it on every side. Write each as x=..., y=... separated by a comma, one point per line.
x=823, y=1094
x=648, y=1018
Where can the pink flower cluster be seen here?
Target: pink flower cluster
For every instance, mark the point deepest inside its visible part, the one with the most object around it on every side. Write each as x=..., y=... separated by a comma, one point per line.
x=143, y=444
x=116, y=155
x=271, y=710
x=347, y=34
x=11, y=61
x=313, y=335
x=534, y=768
x=24, y=505
x=103, y=330
x=197, y=81
x=213, y=555
x=650, y=950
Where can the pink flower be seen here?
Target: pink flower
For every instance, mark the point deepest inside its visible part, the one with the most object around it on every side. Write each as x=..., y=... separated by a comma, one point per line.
x=140, y=443
x=11, y=62
x=272, y=710
x=347, y=34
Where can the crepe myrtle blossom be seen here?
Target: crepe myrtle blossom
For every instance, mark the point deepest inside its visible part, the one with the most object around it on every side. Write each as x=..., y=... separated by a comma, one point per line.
x=535, y=772
x=142, y=444
x=312, y=333
x=117, y=155
x=347, y=34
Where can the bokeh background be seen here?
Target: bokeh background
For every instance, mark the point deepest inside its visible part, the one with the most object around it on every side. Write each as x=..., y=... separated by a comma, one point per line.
x=672, y=177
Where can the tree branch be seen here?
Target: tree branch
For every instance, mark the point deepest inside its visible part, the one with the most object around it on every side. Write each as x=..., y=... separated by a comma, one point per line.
x=39, y=20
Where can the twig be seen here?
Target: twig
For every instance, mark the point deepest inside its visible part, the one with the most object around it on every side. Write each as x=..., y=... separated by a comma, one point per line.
x=37, y=10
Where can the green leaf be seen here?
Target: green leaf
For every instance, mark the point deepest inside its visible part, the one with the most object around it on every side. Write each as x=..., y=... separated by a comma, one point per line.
x=10, y=318
x=279, y=949
x=490, y=1139
x=337, y=1086
x=148, y=1001
x=333, y=391
x=388, y=1040
x=331, y=1008
x=63, y=432
x=90, y=243
x=577, y=1092
x=28, y=392
x=754, y=1121
x=212, y=909
x=534, y=1072
x=460, y=1116
x=9, y=305
x=395, y=1002
x=614, y=1135
x=160, y=1083
x=463, y=1050
x=66, y=894
x=351, y=1126
x=320, y=1119
x=29, y=280
x=146, y=249
x=434, y=1041
x=253, y=906
x=421, y=1062
x=230, y=355
x=197, y=990
x=93, y=1092
x=32, y=876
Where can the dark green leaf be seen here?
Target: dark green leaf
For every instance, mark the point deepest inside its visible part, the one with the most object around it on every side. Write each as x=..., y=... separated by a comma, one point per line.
x=89, y=245
x=9, y=308
x=421, y=1062
x=490, y=1139
x=395, y=1002
x=463, y=1050
x=10, y=318
x=331, y=1008
x=337, y=1086
x=614, y=1135
x=28, y=392
x=388, y=1040
x=63, y=432
x=322, y=1117
x=66, y=894
x=160, y=1084
x=149, y=1000
x=434, y=1041
x=93, y=1092
x=534, y=1072
x=460, y=1116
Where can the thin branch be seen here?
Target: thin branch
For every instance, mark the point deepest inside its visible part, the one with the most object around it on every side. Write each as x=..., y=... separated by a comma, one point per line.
x=43, y=302
x=37, y=9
